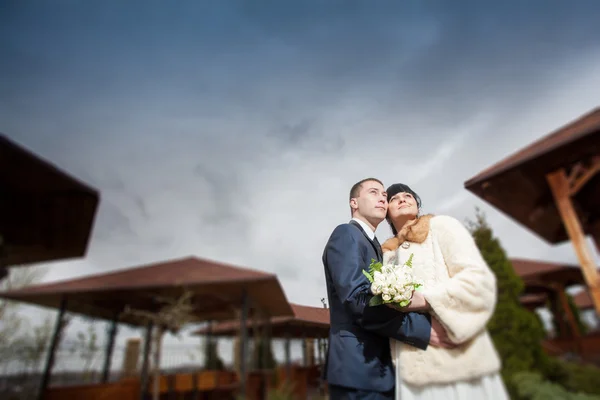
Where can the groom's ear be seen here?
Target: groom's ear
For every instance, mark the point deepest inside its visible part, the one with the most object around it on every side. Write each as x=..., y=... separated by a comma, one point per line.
x=353, y=204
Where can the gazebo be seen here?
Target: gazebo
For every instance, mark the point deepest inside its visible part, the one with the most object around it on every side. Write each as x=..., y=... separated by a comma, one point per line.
x=45, y=214
x=218, y=292
x=546, y=284
x=552, y=187
x=306, y=323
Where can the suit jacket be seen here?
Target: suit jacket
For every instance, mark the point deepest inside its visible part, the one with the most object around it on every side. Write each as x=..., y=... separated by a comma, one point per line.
x=359, y=351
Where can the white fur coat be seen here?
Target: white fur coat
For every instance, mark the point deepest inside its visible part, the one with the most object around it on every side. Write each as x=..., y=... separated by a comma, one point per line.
x=461, y=290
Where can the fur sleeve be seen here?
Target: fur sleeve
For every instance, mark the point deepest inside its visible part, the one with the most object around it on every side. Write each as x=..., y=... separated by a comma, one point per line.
x=465, y=302
x=389, y=257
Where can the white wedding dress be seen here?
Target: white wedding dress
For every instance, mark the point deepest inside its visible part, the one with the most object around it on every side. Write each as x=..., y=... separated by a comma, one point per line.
x=489, y=387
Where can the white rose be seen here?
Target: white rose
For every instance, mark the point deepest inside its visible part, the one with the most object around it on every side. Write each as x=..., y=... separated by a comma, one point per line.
x=386, y=297
x=375, y=288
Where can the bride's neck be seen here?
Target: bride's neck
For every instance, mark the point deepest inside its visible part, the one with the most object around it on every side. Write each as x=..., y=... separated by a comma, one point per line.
x=399, y=224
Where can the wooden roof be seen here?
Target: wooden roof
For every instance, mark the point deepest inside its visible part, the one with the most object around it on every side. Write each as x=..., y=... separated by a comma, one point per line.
x=533, y=301
x=538, y=276
x=583, y=300
x=517, y=185
x=45, y=214
x=309, y=322
x=218, y=290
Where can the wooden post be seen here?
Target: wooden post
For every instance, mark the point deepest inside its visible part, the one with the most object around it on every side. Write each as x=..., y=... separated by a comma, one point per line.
x=109, y=348
x=557, y=315
x=559, y=184
x=597, y=241
x=145, y=373
x=244, y=344
x=288, y=362
x=54, y=342
x=304, y=351
x=575, y=333
x=130, y=360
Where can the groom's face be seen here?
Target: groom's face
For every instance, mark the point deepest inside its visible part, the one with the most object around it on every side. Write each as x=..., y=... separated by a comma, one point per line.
x=372, y=201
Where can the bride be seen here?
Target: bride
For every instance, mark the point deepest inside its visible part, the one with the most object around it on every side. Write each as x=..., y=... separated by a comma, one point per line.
x=460, y=292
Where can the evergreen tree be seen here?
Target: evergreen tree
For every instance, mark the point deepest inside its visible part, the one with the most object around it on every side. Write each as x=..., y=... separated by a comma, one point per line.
x=262, y=357
x=516, y=332
x=212, y=361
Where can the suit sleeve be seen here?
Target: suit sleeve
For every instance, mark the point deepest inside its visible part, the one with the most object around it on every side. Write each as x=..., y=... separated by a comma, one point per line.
x=345, y=262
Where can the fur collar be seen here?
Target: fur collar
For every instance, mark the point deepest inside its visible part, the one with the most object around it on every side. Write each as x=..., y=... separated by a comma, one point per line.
x=415, y=231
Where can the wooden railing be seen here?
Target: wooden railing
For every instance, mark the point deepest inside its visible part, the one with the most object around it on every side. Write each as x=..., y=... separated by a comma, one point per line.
x=587, y=346
x=218, y=385
x=125, y=389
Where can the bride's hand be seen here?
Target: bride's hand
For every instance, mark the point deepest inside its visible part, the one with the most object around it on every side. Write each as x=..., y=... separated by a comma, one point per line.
x=417, y=303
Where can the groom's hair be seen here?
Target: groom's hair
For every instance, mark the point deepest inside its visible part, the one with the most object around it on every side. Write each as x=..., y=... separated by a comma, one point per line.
x=355, y=191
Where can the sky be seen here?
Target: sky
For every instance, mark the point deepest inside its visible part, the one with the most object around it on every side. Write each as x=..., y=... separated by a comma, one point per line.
x=233, y=130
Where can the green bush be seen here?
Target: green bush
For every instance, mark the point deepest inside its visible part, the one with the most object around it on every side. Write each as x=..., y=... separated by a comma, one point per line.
x=575, y=377
x=531, y=386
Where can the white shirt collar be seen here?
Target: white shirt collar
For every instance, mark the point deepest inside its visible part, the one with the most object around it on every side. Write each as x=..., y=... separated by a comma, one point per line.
x=366, y=228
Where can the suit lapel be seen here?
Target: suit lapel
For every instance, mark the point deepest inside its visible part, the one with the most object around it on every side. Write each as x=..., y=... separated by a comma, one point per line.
x=377, y=248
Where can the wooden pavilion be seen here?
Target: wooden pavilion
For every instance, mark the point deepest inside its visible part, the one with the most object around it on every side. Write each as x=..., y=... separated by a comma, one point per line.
x=45, y=214
x=552, y=187
x=546, y=285
x=307, y=323
x=219, y=292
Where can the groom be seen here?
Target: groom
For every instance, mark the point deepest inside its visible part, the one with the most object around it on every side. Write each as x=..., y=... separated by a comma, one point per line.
x=359, y=364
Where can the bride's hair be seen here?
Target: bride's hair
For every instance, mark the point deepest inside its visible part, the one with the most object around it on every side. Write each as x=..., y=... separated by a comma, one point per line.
x=400, y=188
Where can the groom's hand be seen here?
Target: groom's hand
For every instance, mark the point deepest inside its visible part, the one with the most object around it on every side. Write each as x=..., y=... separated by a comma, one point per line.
x=439, y=336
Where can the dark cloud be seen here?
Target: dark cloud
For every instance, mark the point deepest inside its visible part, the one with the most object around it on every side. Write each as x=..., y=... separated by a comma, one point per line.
x=234, y=130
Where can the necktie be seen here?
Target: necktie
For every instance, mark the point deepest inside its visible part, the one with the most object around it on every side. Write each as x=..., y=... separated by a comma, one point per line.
x=378, y=246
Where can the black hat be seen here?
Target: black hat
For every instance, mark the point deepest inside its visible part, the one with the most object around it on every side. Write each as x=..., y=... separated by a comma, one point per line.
x=402, y=188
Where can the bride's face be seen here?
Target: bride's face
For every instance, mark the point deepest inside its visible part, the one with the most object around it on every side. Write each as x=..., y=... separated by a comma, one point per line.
x=403, y=206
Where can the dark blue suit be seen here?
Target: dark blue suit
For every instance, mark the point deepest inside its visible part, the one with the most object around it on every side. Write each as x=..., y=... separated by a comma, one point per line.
x=359, y=364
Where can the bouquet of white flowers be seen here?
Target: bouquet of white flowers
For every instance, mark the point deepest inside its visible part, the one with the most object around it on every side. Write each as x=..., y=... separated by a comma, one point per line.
x=392, y=283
